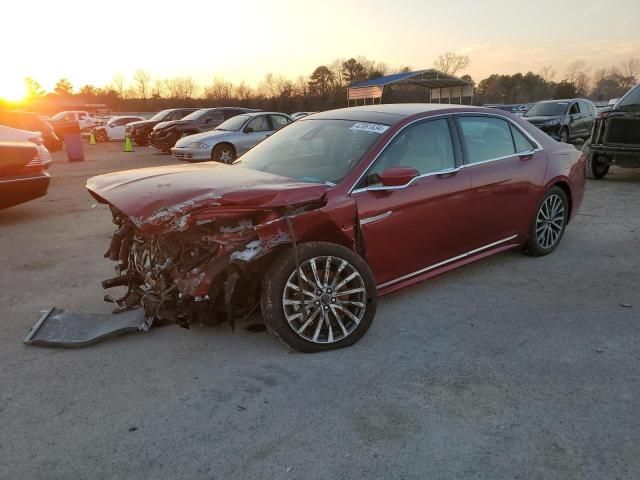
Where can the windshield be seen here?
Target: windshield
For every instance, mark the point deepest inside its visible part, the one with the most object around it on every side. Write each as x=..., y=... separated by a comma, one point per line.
x=234, y=123
x=318, y=151
x=196, y=115
x=632, y=98
x=547, y=109
x=159, y=116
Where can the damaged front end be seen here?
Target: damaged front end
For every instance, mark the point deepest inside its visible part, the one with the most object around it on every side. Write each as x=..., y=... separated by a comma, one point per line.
x=207, y=271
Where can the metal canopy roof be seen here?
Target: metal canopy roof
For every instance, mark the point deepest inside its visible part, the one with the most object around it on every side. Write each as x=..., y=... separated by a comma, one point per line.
x=425, y=78
x=431, y=79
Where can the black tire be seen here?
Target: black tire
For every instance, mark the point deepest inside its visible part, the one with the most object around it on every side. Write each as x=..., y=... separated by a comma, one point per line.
x=223, y=153
x=101, y=136
x=363, y=302
x=537, y=246
x=564, y=135
x=596, y=168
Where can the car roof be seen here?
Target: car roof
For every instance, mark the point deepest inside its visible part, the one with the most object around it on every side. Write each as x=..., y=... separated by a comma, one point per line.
x=254, y=114
x=389, y=114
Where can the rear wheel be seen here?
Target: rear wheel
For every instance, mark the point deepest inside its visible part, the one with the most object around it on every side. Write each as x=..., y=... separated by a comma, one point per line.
x=328, y=302
x=548, y=225
x=224, y=153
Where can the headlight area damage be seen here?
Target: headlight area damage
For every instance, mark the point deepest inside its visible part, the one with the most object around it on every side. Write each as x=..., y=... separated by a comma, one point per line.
x=186, y=264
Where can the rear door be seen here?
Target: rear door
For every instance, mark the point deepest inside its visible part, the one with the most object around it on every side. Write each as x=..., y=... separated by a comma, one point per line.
x=411, y=229
x=507, y=169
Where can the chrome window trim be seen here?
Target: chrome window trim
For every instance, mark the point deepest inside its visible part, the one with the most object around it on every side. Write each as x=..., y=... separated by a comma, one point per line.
x=444, y=262
x=537, y=148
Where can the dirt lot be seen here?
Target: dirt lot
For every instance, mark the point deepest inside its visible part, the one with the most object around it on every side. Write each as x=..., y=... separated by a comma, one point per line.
x=514, y=367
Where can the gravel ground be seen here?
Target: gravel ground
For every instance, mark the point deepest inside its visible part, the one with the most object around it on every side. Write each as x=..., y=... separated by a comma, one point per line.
x=513, y=367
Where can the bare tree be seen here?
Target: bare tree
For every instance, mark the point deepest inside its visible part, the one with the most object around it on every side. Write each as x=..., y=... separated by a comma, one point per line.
x=547, y=73
x=118, y=85
x=219, y=90
x=631, y=68
x=452, y=63
x=578, y=74
x=242, y=92
x=158, y=89
x=142, y=79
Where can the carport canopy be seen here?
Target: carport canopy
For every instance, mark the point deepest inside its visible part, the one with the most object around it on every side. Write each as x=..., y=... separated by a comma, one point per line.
x=440, y=85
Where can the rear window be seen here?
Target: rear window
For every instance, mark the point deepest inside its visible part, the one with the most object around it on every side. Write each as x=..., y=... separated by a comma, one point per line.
x=486, y=138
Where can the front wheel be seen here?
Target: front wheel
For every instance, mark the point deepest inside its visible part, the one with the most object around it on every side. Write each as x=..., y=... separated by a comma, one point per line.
x=564, y=135
x=549, y=224
x=326, y=302
x=224, y=153
x=101, y=136
x=596, y=167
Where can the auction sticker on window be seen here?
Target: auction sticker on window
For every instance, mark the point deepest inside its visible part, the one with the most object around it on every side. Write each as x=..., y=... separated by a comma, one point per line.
x=370, y=127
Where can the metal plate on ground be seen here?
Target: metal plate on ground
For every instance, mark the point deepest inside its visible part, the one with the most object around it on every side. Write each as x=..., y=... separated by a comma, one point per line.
x=59, y=328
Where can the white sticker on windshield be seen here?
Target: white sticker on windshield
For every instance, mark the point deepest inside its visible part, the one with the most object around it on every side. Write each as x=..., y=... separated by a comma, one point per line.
x=370, y=127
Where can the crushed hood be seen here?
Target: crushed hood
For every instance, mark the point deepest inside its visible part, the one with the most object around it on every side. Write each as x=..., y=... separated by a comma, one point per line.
x=161, y=199
x=541, y=119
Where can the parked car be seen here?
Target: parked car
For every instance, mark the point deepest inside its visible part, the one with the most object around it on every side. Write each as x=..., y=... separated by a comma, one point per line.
x=23, y=175
x=616, y=137
x=316, y=222
x=15, y=135
x=165, y=135
x=32, y=122
x=299, y=115
x=231, y=138
x=114, y=129
x=564, y=120
x=69, y=122
x=141, y=130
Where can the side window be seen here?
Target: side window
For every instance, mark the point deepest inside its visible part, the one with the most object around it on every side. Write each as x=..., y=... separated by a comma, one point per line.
x=176, y=115
x=486, y=138
x=229, y=113
x=215, y=116
x=259, y=124
x=585, y=108
x=427, y=147
x=278, y=121
x=574, y=108
x=521, y=142
x=82, y=116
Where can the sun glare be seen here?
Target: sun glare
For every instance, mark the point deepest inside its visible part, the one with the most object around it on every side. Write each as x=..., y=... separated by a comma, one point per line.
x=12, y=90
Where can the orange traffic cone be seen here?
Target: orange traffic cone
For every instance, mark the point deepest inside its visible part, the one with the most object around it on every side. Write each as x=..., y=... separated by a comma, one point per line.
x=92, y=139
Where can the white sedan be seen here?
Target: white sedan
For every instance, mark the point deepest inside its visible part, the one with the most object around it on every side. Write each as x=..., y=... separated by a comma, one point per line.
x=114, y=129
x=8, y=134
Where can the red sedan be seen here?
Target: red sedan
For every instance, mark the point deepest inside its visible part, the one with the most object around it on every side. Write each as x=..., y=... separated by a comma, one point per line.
x=336, y=209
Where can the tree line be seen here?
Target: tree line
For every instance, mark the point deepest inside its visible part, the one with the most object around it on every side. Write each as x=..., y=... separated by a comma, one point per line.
x=325, y=87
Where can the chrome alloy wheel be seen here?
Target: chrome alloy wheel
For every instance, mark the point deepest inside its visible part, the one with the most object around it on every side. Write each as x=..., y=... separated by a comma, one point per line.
x=225, y=155
x=334, y=298
x=550, y=221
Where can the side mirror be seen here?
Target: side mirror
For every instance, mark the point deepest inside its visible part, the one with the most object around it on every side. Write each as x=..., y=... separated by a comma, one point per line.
x=398, y=176
x=248, y=130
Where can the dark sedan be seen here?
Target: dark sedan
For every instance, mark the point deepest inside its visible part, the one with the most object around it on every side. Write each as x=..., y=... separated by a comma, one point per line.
x=164, y=136
x=140, y=131
x=564, y=120
x=315, y=222
x=22, y=173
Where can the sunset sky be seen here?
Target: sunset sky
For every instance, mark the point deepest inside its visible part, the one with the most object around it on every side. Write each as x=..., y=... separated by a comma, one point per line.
x=89, y=42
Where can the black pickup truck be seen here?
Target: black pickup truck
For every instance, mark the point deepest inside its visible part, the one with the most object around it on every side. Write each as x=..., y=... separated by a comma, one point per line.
x=615, y=139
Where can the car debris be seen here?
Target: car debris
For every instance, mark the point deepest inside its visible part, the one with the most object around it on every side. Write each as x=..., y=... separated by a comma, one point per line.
x=59, y=328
